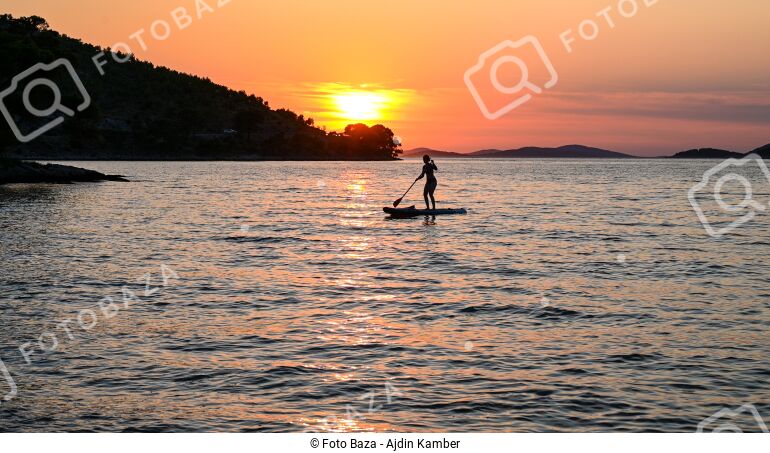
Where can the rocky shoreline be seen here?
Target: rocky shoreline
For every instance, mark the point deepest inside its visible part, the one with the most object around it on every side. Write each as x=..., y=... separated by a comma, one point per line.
x=16, y=171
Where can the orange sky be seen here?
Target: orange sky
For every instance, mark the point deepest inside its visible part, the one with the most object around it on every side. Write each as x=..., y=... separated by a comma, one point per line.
x=676, y=75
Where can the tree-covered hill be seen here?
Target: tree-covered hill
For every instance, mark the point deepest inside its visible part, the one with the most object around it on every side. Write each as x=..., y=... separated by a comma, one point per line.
x=142, y=111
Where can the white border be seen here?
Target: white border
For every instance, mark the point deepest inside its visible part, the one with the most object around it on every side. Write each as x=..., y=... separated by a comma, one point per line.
x=486, y=443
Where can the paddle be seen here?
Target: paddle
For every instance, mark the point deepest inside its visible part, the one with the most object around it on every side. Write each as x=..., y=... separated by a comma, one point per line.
x=398, y=202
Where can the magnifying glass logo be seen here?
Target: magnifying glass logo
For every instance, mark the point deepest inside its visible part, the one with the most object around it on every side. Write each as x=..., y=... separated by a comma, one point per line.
x=494, y=75
x=56, y=104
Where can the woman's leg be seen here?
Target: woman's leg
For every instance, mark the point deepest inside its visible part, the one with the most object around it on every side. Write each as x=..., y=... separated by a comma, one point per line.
x=425, y=193
x=430, y=192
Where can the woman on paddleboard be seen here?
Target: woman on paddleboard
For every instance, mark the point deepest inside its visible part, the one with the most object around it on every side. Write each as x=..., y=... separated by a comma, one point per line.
x=431, y=183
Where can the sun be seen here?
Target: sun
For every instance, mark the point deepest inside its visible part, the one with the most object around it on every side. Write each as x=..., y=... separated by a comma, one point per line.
x=359, y=105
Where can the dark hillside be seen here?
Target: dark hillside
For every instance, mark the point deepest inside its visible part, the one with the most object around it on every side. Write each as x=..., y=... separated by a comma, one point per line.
x=142, y=111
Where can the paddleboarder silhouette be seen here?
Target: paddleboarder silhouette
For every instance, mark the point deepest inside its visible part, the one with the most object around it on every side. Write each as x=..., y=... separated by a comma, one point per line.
x=431, y=183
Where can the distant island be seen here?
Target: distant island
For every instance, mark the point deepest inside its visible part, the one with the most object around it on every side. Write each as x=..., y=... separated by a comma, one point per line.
x=712, y=153
x=569, y=151
x=140, y=111
x=578, y=152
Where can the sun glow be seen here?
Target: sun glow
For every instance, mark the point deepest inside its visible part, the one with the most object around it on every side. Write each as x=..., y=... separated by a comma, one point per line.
x=336, y=105
x=360, y=105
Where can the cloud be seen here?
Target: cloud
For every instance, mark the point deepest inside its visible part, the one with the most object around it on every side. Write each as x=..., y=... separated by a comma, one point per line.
x=728, y=107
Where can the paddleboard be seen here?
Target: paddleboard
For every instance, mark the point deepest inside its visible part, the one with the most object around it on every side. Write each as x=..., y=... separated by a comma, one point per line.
x=413, y=212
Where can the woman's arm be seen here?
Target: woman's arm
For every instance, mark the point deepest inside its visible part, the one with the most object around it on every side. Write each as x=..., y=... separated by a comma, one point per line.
x=435, y=168
x=422, y=175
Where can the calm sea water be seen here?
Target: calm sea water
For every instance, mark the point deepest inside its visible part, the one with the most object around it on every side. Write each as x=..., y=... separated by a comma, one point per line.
x=574, y=296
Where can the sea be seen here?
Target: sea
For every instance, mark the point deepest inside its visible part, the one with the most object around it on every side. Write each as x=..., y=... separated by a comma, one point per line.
x=574, y=296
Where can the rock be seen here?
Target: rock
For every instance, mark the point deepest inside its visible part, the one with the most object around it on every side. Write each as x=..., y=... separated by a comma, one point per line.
x=15, y=171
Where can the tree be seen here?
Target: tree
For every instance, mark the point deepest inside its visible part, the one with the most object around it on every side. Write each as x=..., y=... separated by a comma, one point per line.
x=27, y=26
x=248, y=121
x=35, y=24
x=374, y=142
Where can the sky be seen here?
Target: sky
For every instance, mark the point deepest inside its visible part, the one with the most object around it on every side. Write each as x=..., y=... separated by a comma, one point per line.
x=646, y=77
